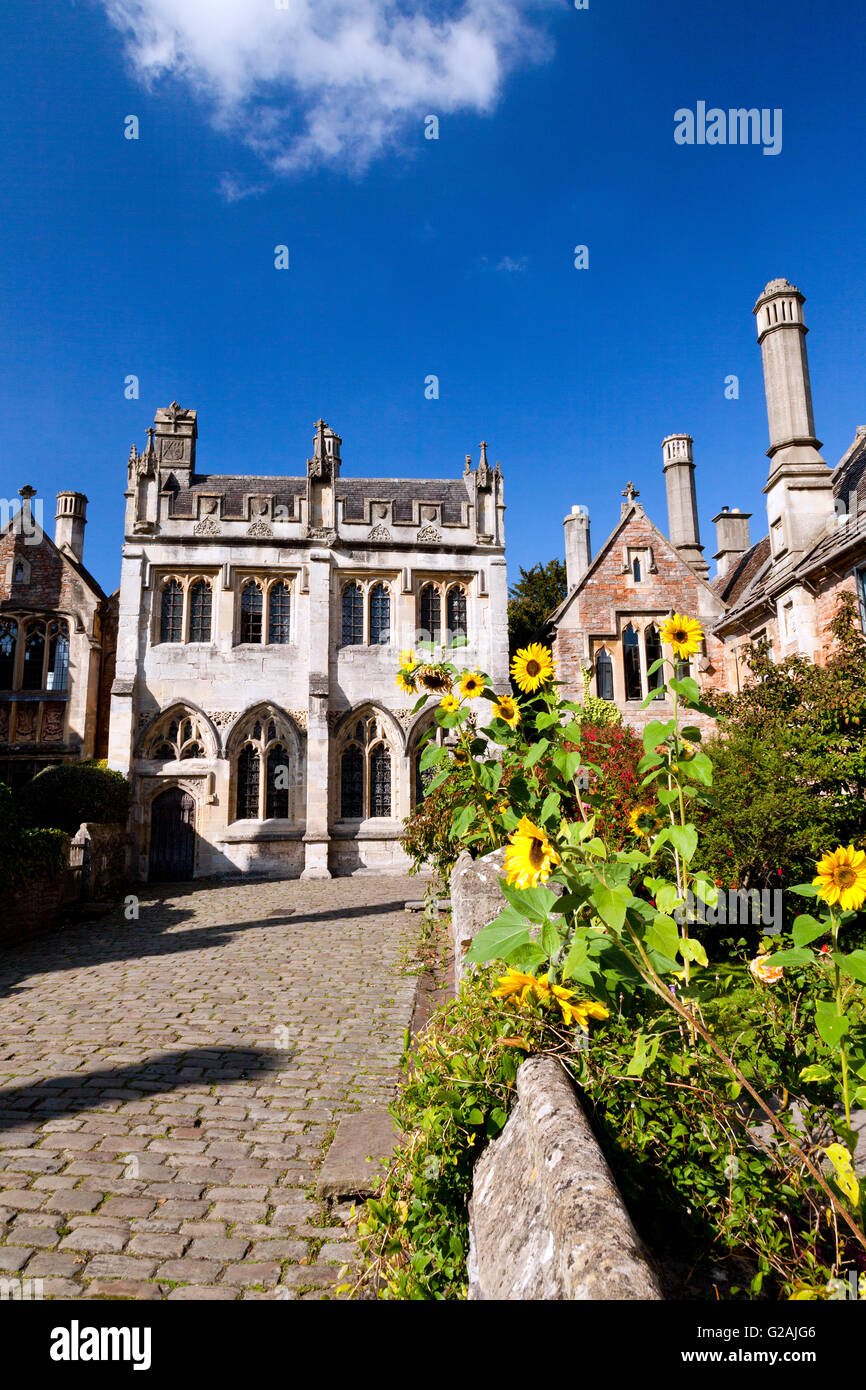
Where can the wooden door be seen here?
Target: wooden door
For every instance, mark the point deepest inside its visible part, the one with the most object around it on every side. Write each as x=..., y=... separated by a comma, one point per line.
x=172, y=837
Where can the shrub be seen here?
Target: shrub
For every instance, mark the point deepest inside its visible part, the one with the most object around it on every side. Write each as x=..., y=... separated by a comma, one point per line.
x=27, y=853
x=69, y=793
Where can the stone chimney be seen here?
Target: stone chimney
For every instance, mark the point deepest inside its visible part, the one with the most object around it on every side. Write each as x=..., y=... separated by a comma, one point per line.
x=732, y=537
x=679, y=471
x=799, y=488
x=577, y=547
x=174, y=437
x=70, y=522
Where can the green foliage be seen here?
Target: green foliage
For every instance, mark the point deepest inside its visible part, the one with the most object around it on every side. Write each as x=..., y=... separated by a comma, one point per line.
x=69, y=793
x=24, y=853
x=532, y=600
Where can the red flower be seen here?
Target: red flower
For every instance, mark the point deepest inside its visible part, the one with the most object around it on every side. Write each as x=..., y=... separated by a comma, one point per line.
x=825, y=950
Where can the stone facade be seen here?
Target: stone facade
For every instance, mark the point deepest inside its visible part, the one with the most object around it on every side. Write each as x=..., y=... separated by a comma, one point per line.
x=784, y=587
x=260, y=624
x=56, y=648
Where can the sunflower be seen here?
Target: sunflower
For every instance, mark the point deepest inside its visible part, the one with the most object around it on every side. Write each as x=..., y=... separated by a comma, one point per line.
x=532, y=667
x=433, y=679
x=508, y=710
x=683, y=634
x=409, y=661
x=842, y=878
x=529, y=856
x=516, y=983
x=449, y=703
x=406, y=682
x=762, y=970
x=471, y=685
x=645, y=820
x=587, y=1009
x=459, y=756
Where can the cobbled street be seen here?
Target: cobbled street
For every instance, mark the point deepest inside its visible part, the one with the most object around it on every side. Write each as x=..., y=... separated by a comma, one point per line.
x=168, y=1086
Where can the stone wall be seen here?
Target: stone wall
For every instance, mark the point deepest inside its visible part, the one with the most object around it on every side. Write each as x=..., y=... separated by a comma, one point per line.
x=476, y=899
x=547, y=1220
x=105, y=849
x=32, y=908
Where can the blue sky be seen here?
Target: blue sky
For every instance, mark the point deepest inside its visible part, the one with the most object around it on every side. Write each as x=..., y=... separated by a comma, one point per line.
x=411, y=257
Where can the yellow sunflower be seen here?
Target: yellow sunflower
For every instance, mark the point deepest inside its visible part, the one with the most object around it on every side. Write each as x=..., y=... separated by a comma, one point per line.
x=532, y=667
x=406, y=682
x=471, y=685
x=645, y=820
x=459, y=756
x=431, y=678
x=508, y=710
x=842, y=878
x=684, y=635
x=515, y=983
x=529, y=856
x=449, y=703
x=409, y=661
x=587, y=1009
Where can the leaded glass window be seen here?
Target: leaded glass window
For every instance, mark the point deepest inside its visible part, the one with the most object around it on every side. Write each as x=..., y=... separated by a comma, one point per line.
x=200, y=601
x=352, y=783
x=248, y=783
x=380, y=614
x=8, y=643
x=653, y=648
x=58, y=657
x=353, y=615
x=604, y=675
x=457, y=611
x=431, y=613
x=34, y=657
x=279, y=613
x=171, y=613
x=251, y=612
x=631, y=664
x=380, y=781
x=277, y=798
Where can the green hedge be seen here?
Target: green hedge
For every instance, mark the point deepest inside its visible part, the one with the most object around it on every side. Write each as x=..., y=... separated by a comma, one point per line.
x=25, y=853
x=63, y=796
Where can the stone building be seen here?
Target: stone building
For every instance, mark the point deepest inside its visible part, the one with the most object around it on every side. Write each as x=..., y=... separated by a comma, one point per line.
x=255, y=704
x=58, y=633
x=784, y=587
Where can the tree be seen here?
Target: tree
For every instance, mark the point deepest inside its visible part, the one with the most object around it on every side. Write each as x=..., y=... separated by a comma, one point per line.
x=531, y=602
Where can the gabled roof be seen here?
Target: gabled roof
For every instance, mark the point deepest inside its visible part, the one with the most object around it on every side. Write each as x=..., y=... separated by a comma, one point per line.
x=65, y=555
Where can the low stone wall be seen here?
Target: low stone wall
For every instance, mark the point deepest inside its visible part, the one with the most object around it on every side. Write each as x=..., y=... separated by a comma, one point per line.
x=546, y=1217
x=32, y=908
x=99, y=860
x=476, y=899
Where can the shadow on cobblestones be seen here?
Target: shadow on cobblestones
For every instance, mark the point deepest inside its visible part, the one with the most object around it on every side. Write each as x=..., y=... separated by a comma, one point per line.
x=80, y=1091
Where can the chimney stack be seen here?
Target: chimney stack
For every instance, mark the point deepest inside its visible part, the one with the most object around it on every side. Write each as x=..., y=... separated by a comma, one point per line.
x=70, y=522
x=799, y=489
x=679, y=471
x=577, y=546
x=732, y=537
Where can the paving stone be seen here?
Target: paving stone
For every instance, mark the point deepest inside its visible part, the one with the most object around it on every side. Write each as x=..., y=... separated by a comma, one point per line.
x=119, y=1267
x=218, y=1249
x=96, y=1240
x=208, y=1293
x=163, y=1247
x=124, y=1288
x=14, y=1257
x=189, y=1270
x=76, y=1201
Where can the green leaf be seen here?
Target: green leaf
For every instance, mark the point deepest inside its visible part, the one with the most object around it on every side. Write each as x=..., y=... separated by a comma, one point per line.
x=537, y=751
x=461, y=821
x=853, y=965
x=645, y=1053
x=815, y=1073
x=691, y=949
x=687, y=688
x=699, y=769
x=433, y=753
x=683, y=838
x=656, y=732
x=663, y=935
x=551, y=941
x=526, y=957
x=611, y=904
x=795, y=955
x=550, y=807
x=535, y=903
x=497, y=941
x=831, y=1025
x=804, y=890
x=807, y=928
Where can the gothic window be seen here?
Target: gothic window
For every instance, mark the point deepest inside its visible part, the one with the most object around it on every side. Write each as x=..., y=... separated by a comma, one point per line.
x=171, y=612
x=631, y=664
x=604, y=675
x=34, y=656
x=380, y=781
x=8, y=643
x=175, y=737
x=353, y=615
x=635, y=569
x=200, y=600
x=251, y=612
x=380, y=614
x=279, y=613
x=431, y=613
x=352, y=783
x=457, y=611
x=263, y=771
x=277, y=795
x=247, y=805
x=653, y=649
x=58, y=656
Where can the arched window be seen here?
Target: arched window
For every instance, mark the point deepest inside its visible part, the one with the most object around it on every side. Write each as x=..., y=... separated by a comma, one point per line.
x=200, y=601
x=352, y=783
x=431, y=613
x=353, y=615
x=277, y=794
x=58, y=656
x=171, y=612
x=380, y=781
x=604, y=675
x=653, y=649
x=34, y=656
x=457, y=611
x=380, y=614
x=263, y=769
x=635, y=569
x=631, y=664
x=251, y=612
x=177, y=736
x=279, y=613
x=247, y=797
x=8, y=643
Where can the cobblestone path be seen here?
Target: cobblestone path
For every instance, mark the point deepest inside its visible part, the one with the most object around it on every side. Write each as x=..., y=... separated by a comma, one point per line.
x=168, y=1085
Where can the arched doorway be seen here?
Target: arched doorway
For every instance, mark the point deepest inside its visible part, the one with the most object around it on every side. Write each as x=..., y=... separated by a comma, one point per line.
x=172, y=837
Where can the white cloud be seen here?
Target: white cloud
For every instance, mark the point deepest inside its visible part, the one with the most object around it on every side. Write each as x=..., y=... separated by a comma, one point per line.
x=512, y=266
x=330, y=82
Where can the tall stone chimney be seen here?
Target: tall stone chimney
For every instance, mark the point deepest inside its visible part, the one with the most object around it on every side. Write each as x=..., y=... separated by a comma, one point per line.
x=577, y=547
x=799, y=488
x=70, y=522
x=174, y=437
x=732, y=537
x=679, y=471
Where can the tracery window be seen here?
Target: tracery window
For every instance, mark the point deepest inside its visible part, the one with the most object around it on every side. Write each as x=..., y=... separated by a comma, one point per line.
x=177, y=735
x=41, y=646
x=184, y=608
x=365, y=771
x=262, y=770
x=171, y=612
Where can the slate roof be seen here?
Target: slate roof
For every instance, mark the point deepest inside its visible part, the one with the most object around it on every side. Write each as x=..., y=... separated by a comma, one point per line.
x=353, y=492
